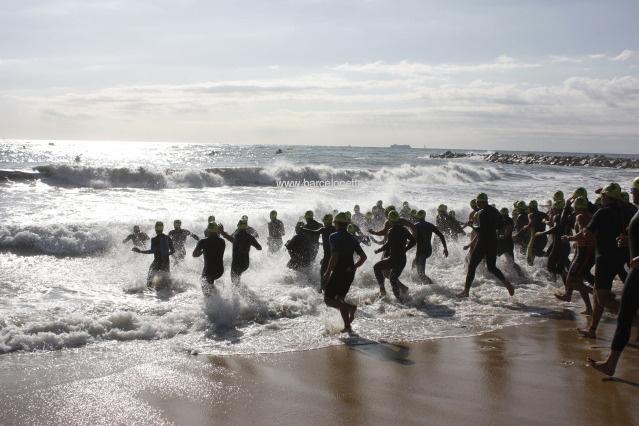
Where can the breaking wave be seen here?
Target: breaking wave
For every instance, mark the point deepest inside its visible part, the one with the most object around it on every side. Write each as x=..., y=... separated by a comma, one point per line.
x=59, y=240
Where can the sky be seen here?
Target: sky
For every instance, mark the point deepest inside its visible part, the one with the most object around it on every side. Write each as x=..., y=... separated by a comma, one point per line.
x=543, y=75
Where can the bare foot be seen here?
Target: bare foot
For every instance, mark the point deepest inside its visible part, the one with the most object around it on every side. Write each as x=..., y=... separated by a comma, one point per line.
x=590, y=334
x=562, y=297
x=382, y=292
x=511, y=289
x=463, y=294
x=603, y=366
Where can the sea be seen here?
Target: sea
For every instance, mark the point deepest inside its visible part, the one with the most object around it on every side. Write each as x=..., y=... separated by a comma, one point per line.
x=69, y=283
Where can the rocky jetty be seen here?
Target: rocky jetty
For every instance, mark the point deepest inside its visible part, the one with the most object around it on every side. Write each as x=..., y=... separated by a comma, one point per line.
x=564, y=160
x=450, y=154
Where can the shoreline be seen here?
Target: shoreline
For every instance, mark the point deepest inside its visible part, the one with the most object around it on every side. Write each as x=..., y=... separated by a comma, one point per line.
x=530, y=374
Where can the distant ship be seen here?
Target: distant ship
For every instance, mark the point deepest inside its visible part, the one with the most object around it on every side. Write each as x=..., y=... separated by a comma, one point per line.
x=396, y=146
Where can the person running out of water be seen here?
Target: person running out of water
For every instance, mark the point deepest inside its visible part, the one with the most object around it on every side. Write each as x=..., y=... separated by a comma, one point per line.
x=629, y=298
x=561, y=223
x=242, y=242
x=456, y=227
x=490, y=222
x=313, y=239
x=442, y=220
x=423, y=237
x=210, y=220
x=213, y=249
x=607, y=225
x=396, y=246
x=521, y=235
x=324, y=232
x=536, y=225
x=138, y=238
x=275, y=233
x=298, y=249
x=471, y=215
x=358, y=218
x=161, y=249
x=340, y=271
x=404, y=212
x=250, y=230
x=505, y=243
x=584, y=257
x=178, y=236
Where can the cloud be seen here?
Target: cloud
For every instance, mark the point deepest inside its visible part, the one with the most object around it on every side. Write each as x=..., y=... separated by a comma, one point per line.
x=565, y=59
x=626, y=55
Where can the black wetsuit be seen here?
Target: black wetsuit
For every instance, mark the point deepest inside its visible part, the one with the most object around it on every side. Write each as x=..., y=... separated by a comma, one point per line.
x=396, y=247
x=139, y=239
x=299, y=250
x=161, y=248
x=344, y=246
x=505, y=243
x=538, y=225
x=275, y=234
x=241, y=247
x=213, y=249
x=179, y=239
x=523, y=238
x=326, y=232
x=630, y=296
x=607, y=224
x=313, y=239
x=558, y=256
x=490, y=221
x=425, y=231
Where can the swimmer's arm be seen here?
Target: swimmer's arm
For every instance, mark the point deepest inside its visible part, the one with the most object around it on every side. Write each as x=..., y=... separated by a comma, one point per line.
x=255, y=244
x=127, y=238
x=195, y=237
x=331, y=266
x=377, y=241
x=362, y=257
x=411, y=242
x=382, y=248
x=198, y=251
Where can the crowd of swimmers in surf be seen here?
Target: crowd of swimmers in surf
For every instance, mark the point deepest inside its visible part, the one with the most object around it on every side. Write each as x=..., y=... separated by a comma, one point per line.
x=604, y=234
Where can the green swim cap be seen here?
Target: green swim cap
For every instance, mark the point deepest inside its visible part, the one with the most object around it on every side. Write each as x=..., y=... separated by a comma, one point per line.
x=213, y=228
x=356, y=208
x=298, y=227
x=482, y=197
x=211, y=219
x=244, y=218
x=327, y=219
x=405, y=204
x=473, y=203
x=351, y=229
x=348, y=215
x=581, y=203
x=421, y=215
x=613, y=191
x=504, y=211
x=442, y=208
x=159, y=226
x=635, y=184
x=580, y=192
x=521, y=205
x=136, y=228
x=242, y=224
x=308, y=214
x=451, y=213
x=341, y=218
x=379, y=203
x=413, y=213
x=533, y=206
x=273, y=214
x=389, y=209
x=559, y=195
x=177, y=223
x=393, y=216
x=625, y=196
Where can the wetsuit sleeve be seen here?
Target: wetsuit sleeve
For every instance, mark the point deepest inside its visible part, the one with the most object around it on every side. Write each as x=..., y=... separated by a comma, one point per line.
x=129, y=237
x=254, y=243
x=439, y=234
x=359, y=250
x=595, y=222
x=411, y=240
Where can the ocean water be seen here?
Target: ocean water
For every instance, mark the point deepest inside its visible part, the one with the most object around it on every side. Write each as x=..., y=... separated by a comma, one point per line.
x=67, y=281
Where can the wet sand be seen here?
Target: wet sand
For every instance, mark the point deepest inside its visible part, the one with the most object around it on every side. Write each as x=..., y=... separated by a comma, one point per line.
x=519, y=375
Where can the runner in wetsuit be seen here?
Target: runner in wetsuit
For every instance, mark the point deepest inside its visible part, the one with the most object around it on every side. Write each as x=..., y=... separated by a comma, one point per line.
x=138, y=238
x=340, y=270
x=442, y=220
x=629, y=298
x=242, y=242
x=486, y=245
x=536, y=225
x=584, y=258
x=299, y=249
x=313, y=239
x=211, y=219
x=275, y=233
x=456, y=227
x=358, y=218
x=249, y=230
x=396, y=248
x=325, y=232
x=522, y=236
x=423, y=238
x=562, y=223
x=505, y=243
x=213, y=249
x=608, y=224
x=178, y=236
x=161, y=249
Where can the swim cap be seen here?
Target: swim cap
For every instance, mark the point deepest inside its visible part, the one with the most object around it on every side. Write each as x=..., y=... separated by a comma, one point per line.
x=369, y=215
x=393, y=216
x=389, y=209
x=521, y=205
x=327, y=219
x=136, y=228
x=442, y=208
x=598, y=201
x=559, y=195
x=298, y=227
x=580, y=192
x=473, y=204
x=356, y=208
x=341, y=218
x=581, y=203
x=213, y=228
x=273, y=214
x=211, y=219
x=451, y=213
x=421, y=215
x=308, y=214
x=613, y=191
x=351, y=229
x=533, y=206
x=177, y=223
x=159, y=226
x=635, y=184
x=405, y=204
x=379, y=203
x=242, y=224
x=244, y=218
x=625, y=196
x=482, y=197
x=504, y=211
x=348, y=215
x=413, y=213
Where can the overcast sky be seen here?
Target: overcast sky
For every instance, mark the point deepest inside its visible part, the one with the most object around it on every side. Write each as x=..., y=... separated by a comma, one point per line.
x=540, y=74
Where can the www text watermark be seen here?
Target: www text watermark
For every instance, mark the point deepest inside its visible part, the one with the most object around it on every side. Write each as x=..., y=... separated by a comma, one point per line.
x=305, y=183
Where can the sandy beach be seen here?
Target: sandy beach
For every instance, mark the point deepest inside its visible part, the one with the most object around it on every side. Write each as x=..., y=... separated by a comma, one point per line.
x=523, y=375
